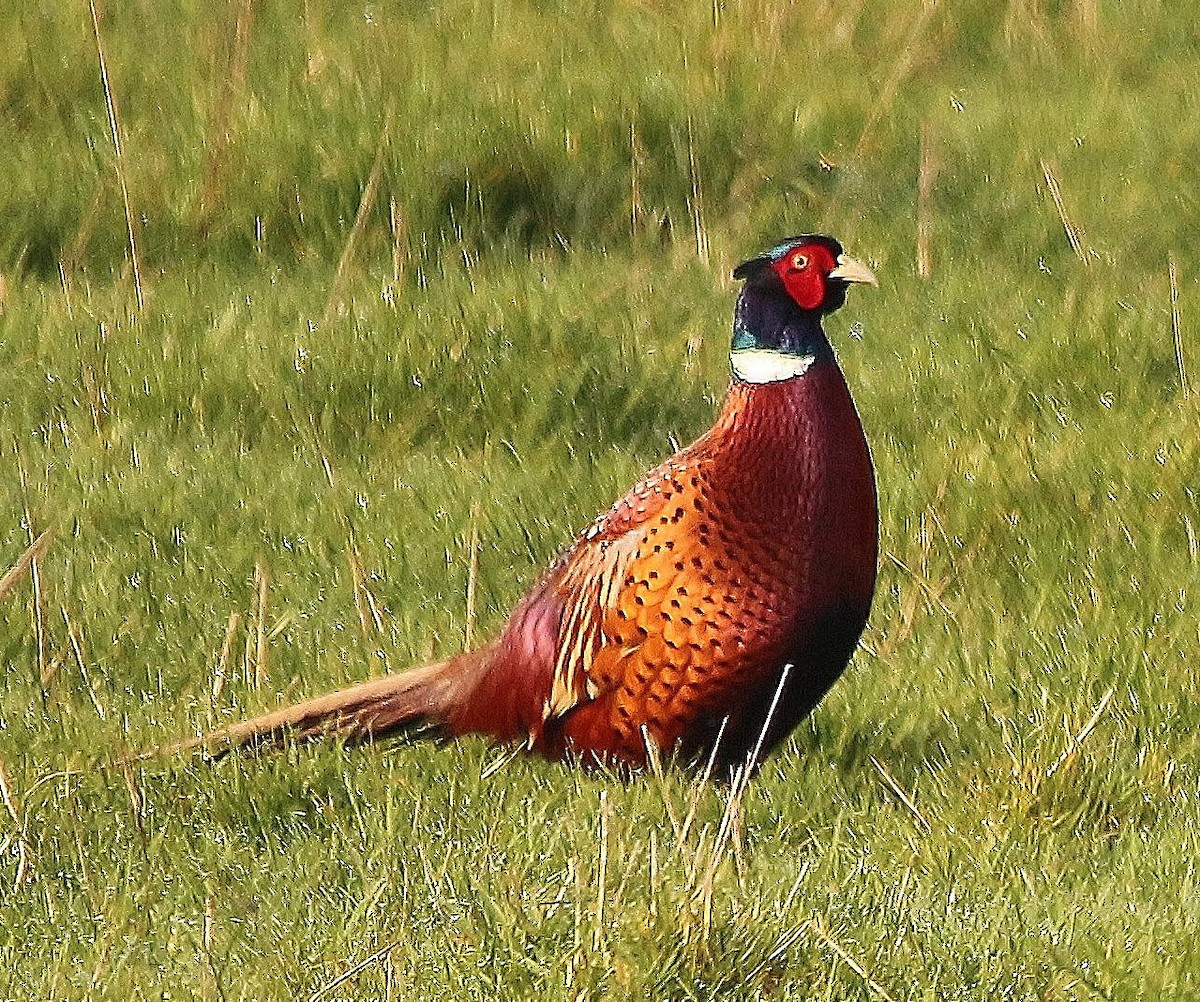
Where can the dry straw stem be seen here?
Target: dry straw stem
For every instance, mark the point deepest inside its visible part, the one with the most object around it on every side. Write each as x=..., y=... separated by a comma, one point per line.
x=505, y=758
x=14, y=810
x=472, y=574
x=81, y=663
x=1074, y=235
x=784, y=942
x=654, y=760
x=369, y=619
x=637, y=157
x=354, y=971
x=1076, y=742
x=136, y=800
x=919, y=585
x=818, y=929
x=366, y=203
x=900, y=793
x=357, y=586
x=602, y=873
x=364, y=599
x=262, y=582
x=700, y=785
x=221, y=671
x=208, y=986
x=35, y=572
x=900, y=72
x=927, y=169
x=753, y=760
x=1177, y=324
x=120, y=158
x=399, y=231
x=731, y=818
x=25, y=562
x=696, y=202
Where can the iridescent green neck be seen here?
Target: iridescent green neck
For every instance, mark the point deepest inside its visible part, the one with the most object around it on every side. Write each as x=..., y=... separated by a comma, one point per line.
x=773, y=339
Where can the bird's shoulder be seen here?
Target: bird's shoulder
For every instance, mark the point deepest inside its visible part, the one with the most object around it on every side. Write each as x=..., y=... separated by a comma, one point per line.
x=659, y=495
x=626, y=556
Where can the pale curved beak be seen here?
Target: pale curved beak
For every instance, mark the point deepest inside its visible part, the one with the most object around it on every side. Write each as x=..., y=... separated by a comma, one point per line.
x=850, y=270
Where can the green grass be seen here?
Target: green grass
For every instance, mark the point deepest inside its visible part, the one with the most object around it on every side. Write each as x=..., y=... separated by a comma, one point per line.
x=533, y=307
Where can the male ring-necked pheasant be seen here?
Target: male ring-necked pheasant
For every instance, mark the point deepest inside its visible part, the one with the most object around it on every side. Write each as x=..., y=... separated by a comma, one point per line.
x=671, y=618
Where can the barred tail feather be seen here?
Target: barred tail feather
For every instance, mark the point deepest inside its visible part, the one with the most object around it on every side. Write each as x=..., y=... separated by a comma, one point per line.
x=424, y=696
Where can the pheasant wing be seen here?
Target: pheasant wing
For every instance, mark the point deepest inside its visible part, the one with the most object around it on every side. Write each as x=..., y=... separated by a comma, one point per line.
x=616, y=584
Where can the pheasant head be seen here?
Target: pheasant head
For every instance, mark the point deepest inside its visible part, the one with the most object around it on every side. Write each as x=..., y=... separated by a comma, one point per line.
x=777, y=330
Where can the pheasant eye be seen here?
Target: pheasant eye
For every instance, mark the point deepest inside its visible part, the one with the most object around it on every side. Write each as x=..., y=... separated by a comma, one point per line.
x=799, y=261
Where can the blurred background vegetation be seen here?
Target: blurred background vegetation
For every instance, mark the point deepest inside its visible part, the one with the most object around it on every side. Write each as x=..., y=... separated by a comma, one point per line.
x=249, y=129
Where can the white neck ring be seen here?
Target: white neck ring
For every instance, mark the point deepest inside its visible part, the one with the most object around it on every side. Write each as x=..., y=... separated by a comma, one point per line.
x=761, y=365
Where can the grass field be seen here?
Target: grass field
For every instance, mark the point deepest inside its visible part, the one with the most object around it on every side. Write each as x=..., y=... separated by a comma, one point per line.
x=379, y=304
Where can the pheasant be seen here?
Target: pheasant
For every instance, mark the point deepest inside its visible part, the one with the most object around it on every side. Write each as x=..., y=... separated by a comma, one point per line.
x=710, y=608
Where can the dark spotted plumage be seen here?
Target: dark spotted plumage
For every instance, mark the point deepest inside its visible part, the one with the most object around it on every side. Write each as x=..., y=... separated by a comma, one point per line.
x=671, y=618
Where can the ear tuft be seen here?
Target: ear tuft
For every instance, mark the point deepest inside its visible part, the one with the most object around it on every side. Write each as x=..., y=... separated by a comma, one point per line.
x=752, y=267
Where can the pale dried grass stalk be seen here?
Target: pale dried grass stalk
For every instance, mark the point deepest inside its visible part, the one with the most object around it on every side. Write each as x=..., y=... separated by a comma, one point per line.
x=358, y=586
x=365, y=205
x=472, y=574
x=399, y=230
x=1078, y=739
x=9, y=797
x=25, y=562
x=354, y=971
x=904, y=798
x=926, y=174
x=81, y=663
x=1074, y=234
x=1177, y=324
x=262, y=581
x=110, y=105
x=602, y=875
x=221, y=670
x=818, y=930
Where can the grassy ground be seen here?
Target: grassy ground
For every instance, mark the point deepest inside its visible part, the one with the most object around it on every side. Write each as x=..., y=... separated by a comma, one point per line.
x=418, y=290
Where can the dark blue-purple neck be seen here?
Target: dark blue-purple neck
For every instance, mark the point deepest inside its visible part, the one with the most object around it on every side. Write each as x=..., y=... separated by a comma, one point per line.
x=770, y=320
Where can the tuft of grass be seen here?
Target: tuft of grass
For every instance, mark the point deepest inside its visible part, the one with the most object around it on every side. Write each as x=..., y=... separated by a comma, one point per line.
x=419, y=299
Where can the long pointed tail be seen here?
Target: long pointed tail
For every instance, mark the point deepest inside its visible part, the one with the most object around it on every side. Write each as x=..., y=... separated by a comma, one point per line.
x=422, y=696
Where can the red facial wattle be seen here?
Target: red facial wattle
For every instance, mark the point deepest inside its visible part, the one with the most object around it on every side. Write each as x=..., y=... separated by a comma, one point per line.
x=803, y=271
